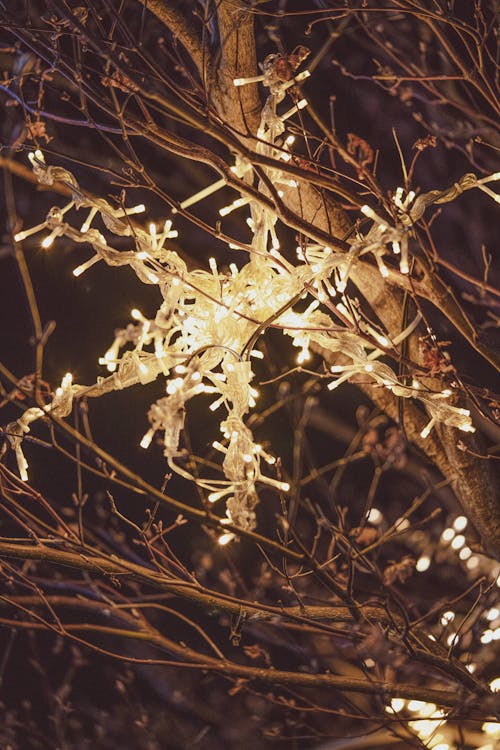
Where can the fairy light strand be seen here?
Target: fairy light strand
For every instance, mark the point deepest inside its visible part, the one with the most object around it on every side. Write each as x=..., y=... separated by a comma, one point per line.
x=197, y=340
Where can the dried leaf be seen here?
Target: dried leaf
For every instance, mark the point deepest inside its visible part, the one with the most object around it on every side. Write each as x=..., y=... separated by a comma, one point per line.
x=399, y=571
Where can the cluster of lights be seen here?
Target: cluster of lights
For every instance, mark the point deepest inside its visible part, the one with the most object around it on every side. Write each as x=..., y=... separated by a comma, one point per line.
x=430, y=723
x=198, y=338
x=383, y=234
x=453, y=537
x=492, y=728
x=60, y=406
x=492, y=633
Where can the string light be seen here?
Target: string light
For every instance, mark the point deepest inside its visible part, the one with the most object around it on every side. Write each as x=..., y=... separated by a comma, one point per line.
x=85, y=266
x=20, y=236
x=88, y=221
x=238, y=203
x=293, y=110
x=201, y=340
x=49, y=239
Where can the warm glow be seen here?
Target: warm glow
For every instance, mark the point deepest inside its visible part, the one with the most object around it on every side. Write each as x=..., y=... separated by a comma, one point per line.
x=225, y=538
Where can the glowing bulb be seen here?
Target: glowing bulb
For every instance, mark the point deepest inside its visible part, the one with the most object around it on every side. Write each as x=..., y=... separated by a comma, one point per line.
x=250, y=79
x=423, y=563
x=383, y=270
x=146, y=440
x=49, y=239
x=382, y=340
x=458, y=541
x=238, y=203
x=23, y=467
x=374, y=516
x=448, y=535
x=88, y=221
x=491, y=727
x=174, y=385
x=85, y=266
x=154, y=238
x=300, y=105
x=36, y=156
x=139, y=209
x=460, y=523
x=218, y=447
x=397, y=704
x=225, y=538
x=447, y=617
x=427, y=429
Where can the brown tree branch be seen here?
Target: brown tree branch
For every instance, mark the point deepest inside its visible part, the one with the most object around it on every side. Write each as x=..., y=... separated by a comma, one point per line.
x=238, y=106
x=423, y=650
x=384, y=689
x=182, y=30
x=475, y=481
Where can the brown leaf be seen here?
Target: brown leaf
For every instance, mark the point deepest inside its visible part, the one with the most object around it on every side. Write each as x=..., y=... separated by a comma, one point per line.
x=256, y=652
x=361, y=150
x=240, y=682
x=399, y=571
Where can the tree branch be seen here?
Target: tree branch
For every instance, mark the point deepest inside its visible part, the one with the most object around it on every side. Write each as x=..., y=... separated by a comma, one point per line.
x=183, y=31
